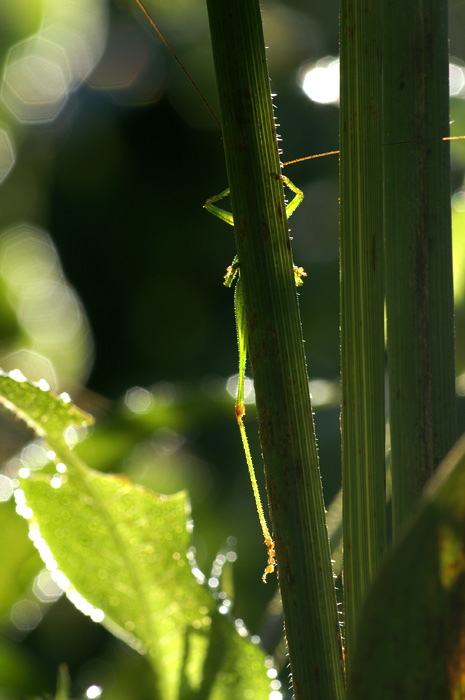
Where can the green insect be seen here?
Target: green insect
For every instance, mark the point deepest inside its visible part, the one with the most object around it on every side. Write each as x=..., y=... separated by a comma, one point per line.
x=233, y=273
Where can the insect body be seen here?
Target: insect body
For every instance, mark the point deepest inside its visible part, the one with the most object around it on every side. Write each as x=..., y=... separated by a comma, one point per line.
x=233, y=273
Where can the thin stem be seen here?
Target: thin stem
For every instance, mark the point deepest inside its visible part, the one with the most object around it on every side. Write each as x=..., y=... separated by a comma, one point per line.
x=362, y=307
x=276, y=350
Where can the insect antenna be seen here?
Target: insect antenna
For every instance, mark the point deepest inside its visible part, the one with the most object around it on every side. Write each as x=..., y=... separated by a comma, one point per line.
x=184, y=70
x=206, y=103
x=318, y=155
x=333, y=153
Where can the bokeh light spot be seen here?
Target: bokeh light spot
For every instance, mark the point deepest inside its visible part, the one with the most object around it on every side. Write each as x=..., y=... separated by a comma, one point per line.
x=456, y=80
x=124, y=58
x=138, y=400
x=45, y=588
x=34, y=456
x=6, y=488
x=324, y=392
x=36, y=80
x=249, y=390
x=47, y=308
x=25, y=615
x=34, y=366
x=320, y=81
x=7, y=155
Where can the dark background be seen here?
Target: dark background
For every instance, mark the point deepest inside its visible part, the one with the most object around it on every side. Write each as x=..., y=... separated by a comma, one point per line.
x=114, y=183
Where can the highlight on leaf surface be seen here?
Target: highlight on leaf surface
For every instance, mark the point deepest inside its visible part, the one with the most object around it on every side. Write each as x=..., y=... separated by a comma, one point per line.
x=46, y=414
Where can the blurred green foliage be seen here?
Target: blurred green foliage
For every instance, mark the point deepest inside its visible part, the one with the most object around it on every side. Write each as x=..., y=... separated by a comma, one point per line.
x=111, y=278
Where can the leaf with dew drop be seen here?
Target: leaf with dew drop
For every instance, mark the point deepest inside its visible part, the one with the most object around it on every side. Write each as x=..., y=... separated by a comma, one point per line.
x=47, y=415
x=120, y=552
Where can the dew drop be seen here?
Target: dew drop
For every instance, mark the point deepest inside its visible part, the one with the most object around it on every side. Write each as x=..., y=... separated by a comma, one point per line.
x=60, y=579
x=17, y=375
x=71, y=437
x=97, y=615
x=275, y=695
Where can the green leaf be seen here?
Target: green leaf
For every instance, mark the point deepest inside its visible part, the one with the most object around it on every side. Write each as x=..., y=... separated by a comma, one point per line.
x=121, y=553
x=124, y=548
x=412, y=630
x=20, y=561
x=46, y=414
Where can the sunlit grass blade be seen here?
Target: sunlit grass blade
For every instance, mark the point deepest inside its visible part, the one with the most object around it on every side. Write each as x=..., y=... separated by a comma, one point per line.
x=417, y=222
x=412, y=630
x=362, y=307
x=276, y=349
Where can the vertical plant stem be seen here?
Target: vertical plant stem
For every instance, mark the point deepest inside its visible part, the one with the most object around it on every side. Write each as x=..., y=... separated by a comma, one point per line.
x=419, y=291
x=276, y=350
x=362, y=305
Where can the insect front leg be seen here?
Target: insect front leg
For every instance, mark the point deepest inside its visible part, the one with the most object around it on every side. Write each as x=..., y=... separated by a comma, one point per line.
x=299, y=272
x=298, y=194
x=217, y=211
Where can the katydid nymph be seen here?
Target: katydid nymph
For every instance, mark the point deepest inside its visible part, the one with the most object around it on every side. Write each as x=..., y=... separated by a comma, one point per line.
x=233, y=275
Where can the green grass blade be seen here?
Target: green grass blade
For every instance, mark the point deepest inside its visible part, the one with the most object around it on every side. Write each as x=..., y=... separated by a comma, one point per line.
x=419, y=293
x=412, y=630
x=362, y=306
x=276, y=350
x=63, y=691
